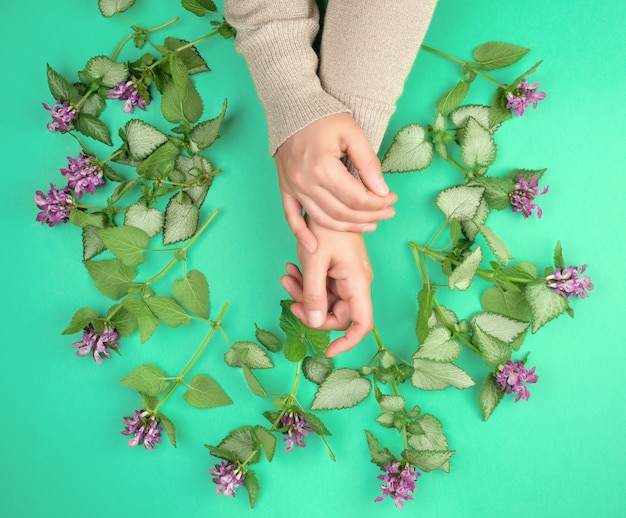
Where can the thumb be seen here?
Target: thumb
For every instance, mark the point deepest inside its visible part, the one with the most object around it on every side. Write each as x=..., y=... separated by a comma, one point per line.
x=314, y=297
x=365, y=160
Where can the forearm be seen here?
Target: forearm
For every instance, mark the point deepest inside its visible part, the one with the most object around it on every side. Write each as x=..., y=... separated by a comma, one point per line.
x=276, y=37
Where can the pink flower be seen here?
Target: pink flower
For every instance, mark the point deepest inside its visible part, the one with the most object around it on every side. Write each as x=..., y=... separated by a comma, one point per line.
x=295, y=428
x=523, y=96
x=523, y=195
x=84, y=174
x=511, y=377
x=134, y=92
x=398, y=482
x=228, y=477
x=144, y=428
x=55, y=206
x=63, y=116
x=567, y=283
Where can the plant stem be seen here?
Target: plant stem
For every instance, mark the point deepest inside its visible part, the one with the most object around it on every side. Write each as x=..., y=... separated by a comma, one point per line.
x=138, y=30
x=180, y=378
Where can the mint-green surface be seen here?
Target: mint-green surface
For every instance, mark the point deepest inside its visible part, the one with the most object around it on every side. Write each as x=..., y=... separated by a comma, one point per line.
x=561, y=454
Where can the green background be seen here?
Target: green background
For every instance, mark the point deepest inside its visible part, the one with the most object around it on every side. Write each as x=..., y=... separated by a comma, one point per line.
x=560, y=454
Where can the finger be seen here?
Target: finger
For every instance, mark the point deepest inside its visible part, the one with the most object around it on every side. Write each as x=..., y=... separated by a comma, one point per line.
x=366, y=162
x=354, y=334
x=293, y=287
x=314, y=299
x=340, y=218
x=294, y=271
x=297, y=223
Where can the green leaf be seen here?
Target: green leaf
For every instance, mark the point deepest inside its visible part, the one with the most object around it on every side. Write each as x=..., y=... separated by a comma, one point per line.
x=497, y=190
x=267, y=439
x=83, y=219
x=142, y=139
x=558, y=256
x=60, y=88
x=269, y=340
x=92, y=244
x=462, y=276
x=317, y=368
x=167, y=311
x=253, y=383
x=428, y=460
x=124, y=321
x=177, y=106
x=509, y=303
x=124, y=188
x=410, y=151
x=495, y=54
x=424, y=311
x=95, y=105
x=390, y=403
x=199, y=7
x=241, y=443
x=432, y=375
x=439, y=346
x=189, y=57
x=470, y=226
x=478, y=112
x=499, y=112
x=494, y=351
x=528, y=174
x=460, y=202
x=452, y=98
x=93, y=127
x=204, y=392
x=380, y=456
x=111, y=277
x=248, y=353
x=205, y=133
x=299, y=335
x=196, y=168
x=545, y=304
x=315, y=423
x=477, y=145
x=499, y=326
x=181, y=219
x=169, y=428
x=105, y=71
x=81, y=319
x=252, y=486
x=531, y=70
x=126, y=243
x=160, y=163
x=432, y=436
x=144, y=218
x=497, y=246
x=147, y=379
x=192, y=292
x=146, y=319
x=109, y=8
x=490, y=395
x=343, y=388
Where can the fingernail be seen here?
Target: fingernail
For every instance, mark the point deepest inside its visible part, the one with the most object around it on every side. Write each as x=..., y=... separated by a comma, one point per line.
x=315, y=318
x=381, y=187
x=370, y=227
x=283, y=281
x=389, y=214
x=308, y=246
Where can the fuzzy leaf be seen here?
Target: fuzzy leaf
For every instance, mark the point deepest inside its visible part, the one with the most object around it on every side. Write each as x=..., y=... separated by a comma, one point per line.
x=495, y=54
x=199, y=7
x=267, y=439
x=470, y=226
x=317, y=368
x=142, y=139
x=343, y=388
x=478, y=112
x=460, y=202
x=204, y=392
x=111, y=277
x=181, y=219
x=462, y=276
x=409, y=151
x=452, y=98
x=126, y=243
x=253, y=382
x=431, y=375
x=60, y=88
x=83, y=219
x=269, y=340
x=109, y=8
x=168, y=311
x=497, y=190
x=494, y=351
x=81, y=319
x=428, y=460
x=241, y=444
x=149, y=220
x=439, y=346
x=160, y=163
x=169, y=428
x=192, y=292
x=509, y=303
x=195, y=168
x=299, y=335
x=390, y=403
x=380, y=456
x=432, y=436
x=424, y=311
x=124, y=321
x=499, y=112
x=545, y=304
x=501, y=327
x=178, y=107
x=490, y=395
x=477, y=145
x=205, y=133
x=252, y=486
x=104, y=70
x=93, y=127
x=146, y=319
x=248, y=353
x=147, y=379
x=189, y=57
x=497, y=246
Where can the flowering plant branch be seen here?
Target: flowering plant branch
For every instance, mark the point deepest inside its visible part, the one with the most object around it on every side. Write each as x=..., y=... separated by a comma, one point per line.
x=165, y=195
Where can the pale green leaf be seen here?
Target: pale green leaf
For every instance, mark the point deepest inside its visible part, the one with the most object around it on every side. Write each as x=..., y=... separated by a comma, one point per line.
x=192, y=292
x=439, y=346
x=147, y=379
x=241, y=444
x=168, y=311
x=176, y=107
x=432, y=375
x=92, y=244
x=470, y=226
x=109, y=8
x=181, y=219
x=205, y=133
x=390, y=403
x=248, y=353
x=499, y=326
x=410, y=151
x=126, y=243
x=267, y=439
x=269, y=340
x=494, y=351
x=343, y=388
x=146, y=319
x=317, y=368
x=195, y=168
x=462, y=276
x=460, y=202
x=204, y=392
x=509, y=303
x=189, y=57
x=111, y=276
x=497, y=246
x=60, y=88
x=545, y=304
x=253, y=488
x=81, y=319
x=105, y=70
x=497, y=190
x=380, y=456
x=169, y=428
x=150, y=220
x=253, y=382
x=93, y=127
x=477, y=145
x=142, y=139
x=452, y=98
x=428, y=460
x=478, y=112
x=160, y=163
x=490, y=395
x=496, y=54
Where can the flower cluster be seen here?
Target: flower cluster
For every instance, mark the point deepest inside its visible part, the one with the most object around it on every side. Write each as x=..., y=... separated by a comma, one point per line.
x=567, y=283
x=84, y=174
x=523, y=96
x=55, y=206
x=63, y=116
x=398, y=482
x=524, y=194
x=228, y=477
x=511, y=377
x=295, y=428
x=145, y=429
x=98, y=344
x=134, y=92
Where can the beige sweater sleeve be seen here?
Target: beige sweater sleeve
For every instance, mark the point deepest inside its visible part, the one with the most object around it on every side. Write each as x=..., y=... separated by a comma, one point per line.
x=367, y=50
x=276, y=38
